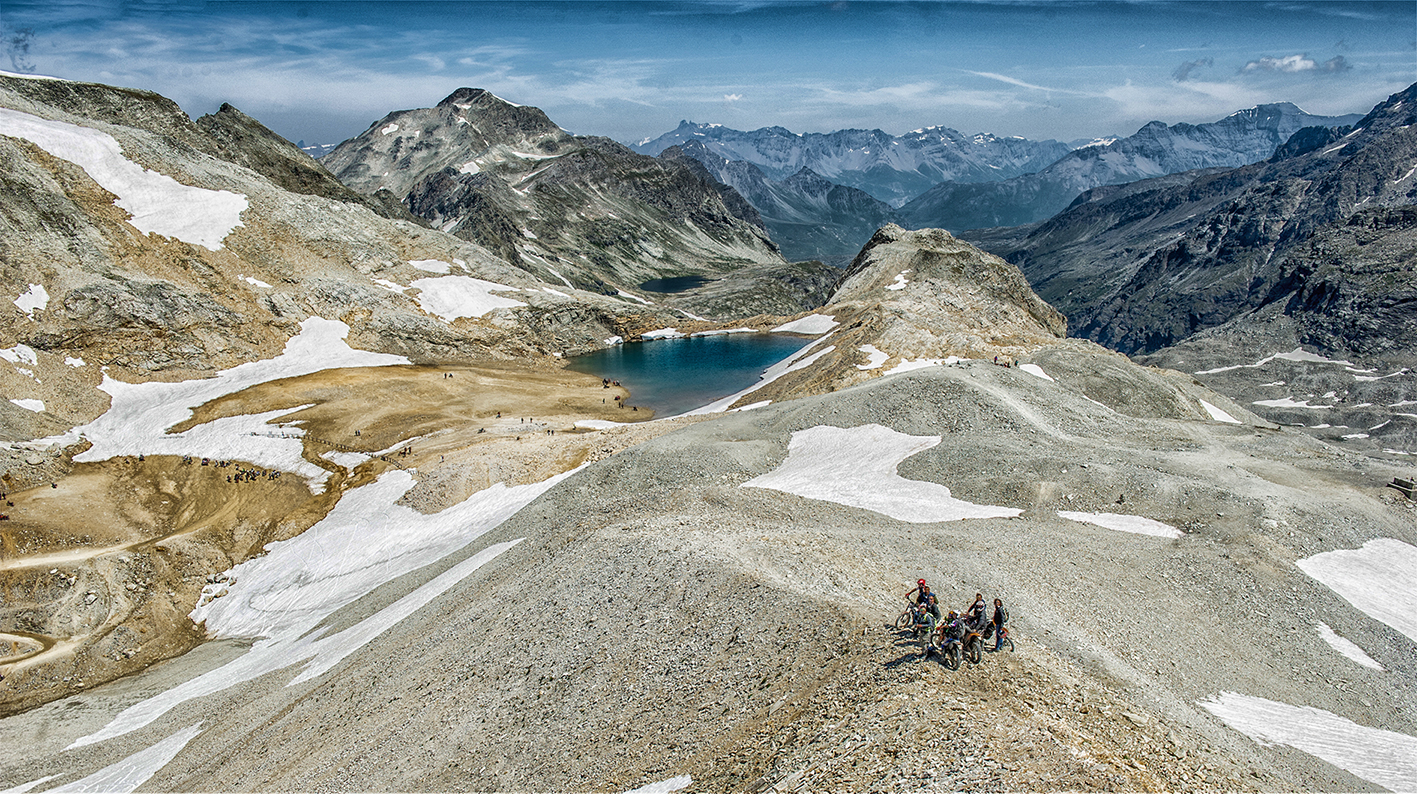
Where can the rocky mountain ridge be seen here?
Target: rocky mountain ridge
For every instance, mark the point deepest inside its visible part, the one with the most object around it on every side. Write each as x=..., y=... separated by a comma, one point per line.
x=892, y=168
x=1245, y=137
x=582, y=211
x=1307, y=256
x=808, y=216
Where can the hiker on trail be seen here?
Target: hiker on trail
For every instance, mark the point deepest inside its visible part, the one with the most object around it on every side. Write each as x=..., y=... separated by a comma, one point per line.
x=1001, y=616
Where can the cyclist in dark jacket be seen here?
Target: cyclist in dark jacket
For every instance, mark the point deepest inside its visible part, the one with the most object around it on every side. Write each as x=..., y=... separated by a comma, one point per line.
x=976, y=610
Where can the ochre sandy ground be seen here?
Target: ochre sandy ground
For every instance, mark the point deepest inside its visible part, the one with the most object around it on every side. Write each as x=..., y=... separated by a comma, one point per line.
x=99, y=569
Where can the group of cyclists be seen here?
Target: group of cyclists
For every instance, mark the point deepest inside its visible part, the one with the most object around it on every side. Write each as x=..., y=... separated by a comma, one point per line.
x=954, y=635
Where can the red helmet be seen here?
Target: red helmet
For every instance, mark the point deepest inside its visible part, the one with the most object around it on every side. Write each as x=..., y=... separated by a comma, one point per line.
x=920, y=581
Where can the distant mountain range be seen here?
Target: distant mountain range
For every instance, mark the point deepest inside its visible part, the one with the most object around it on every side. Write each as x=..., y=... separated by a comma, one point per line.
x=939, y=178
x=1155, y=150
x=1143, y=266
x=808, y=215
x=892, y=168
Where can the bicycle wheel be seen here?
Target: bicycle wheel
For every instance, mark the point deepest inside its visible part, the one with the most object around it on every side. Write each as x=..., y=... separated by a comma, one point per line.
x=905, y=620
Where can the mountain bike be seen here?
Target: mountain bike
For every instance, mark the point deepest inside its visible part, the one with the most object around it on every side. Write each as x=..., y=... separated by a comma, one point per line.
x=950, y=648
x=973, y=645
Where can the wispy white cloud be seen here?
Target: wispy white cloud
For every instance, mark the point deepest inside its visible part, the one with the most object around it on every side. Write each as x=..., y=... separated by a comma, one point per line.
x=1003, y=78
x=1297, y=63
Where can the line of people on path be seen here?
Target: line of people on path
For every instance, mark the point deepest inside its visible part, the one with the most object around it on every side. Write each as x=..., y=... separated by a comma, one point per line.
x=954, y=624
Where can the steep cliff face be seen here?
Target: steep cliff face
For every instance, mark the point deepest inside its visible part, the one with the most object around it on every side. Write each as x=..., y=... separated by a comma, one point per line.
x=581, y=211
x=1248, y=136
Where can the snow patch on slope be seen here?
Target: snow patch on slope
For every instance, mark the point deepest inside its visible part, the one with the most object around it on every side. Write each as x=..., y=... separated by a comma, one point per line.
x=158, y=203
x=1219, y=415
x=1346, y=647
x=454, y=297
x=1386, y=758
x=1380, y=579
x=857, y=467
x=811, y=324
x=36, y=298
x=1124, y=523
x=140, y=414
x=366, y=541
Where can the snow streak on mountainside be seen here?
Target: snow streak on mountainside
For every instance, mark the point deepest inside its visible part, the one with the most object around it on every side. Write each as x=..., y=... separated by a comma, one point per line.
x=1241, y=138
x=894, y=169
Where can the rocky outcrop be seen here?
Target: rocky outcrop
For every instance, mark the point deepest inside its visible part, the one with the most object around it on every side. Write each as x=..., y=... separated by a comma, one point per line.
x=914, y=298
x=1156, y=149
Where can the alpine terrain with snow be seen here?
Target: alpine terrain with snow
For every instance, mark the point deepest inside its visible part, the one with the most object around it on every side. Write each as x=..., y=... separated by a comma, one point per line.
x=299, y=494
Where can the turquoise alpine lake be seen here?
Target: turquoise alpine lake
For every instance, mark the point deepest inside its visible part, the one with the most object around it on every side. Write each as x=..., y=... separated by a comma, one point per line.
x=672, y=376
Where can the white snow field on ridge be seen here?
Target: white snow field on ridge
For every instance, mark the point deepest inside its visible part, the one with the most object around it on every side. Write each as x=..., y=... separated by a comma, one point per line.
x=157, y=202
x=366, y=541
x=1380, y=579
x=857, y=467
x=137, y=421
x=1386, y=758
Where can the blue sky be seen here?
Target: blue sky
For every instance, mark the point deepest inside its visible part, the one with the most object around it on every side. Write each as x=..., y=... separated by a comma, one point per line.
x=323, y=71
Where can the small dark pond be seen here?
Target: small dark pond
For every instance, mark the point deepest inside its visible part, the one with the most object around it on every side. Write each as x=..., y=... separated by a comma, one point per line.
x=674, y=284
x=672, y=376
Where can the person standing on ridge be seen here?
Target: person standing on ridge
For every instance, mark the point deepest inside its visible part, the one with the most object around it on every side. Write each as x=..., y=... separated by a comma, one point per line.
x=1001, y=616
